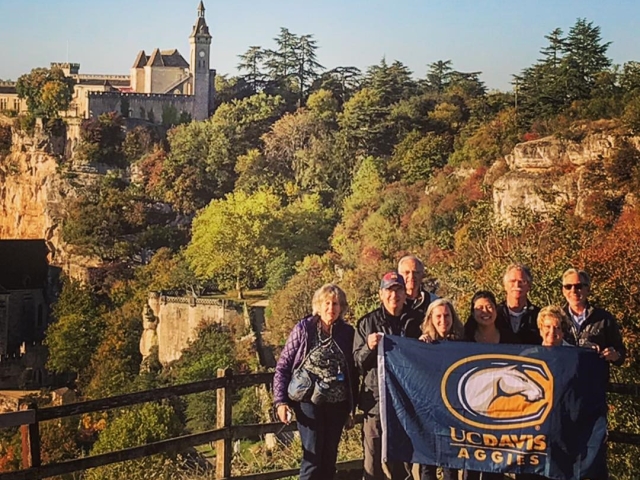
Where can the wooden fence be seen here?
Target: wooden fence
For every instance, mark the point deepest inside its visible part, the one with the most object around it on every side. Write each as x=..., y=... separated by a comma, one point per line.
x=225, y=433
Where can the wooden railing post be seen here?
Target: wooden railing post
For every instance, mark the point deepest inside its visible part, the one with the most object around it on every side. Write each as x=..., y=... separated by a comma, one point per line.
x=30, y=440
x=223, y=420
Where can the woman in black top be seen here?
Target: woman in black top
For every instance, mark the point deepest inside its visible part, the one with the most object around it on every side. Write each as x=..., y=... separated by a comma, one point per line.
x=481, y=325
x=481, y=328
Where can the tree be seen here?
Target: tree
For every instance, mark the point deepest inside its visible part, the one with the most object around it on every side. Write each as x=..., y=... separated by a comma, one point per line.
x=417, y=156
x=74, y=336
x=342, y=82
x=282, y=62
x=251, y=62
x=212, y=349
x=231, y=241
x=115, y=364
x=308, y=66
x=229, y=89
x=116, y=222
x=364, y=123
x=150, y=422
x=570, y=70
x=439, y=76
x=324, y=106
x=284, y=147
x=585, y=57
x=47, y=91
x=391, y=82
x=101, y=140
x=366, y=188
x=203, y=155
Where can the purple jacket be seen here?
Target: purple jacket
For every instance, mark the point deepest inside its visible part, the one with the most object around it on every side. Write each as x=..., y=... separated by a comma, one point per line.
x=296, y=349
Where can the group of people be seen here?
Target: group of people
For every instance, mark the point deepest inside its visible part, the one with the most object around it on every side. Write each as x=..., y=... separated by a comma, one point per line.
x=343, y=360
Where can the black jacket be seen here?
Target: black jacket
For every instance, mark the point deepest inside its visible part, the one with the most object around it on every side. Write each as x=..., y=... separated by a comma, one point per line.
x=414, y=312
x=365, y=359
x=600, y=328
x=528, y=332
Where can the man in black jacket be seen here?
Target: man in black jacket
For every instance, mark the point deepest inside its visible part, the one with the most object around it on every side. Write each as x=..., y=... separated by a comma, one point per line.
x=517, y=313
x=386, y=319
x=595, y=328
x=590, y=326
x=418, y=299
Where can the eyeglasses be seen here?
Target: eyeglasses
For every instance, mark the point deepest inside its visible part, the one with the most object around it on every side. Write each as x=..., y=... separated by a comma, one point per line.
x=574, y=286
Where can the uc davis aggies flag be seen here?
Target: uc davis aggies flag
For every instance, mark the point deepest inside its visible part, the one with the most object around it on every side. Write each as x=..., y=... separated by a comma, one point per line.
x=494, y=408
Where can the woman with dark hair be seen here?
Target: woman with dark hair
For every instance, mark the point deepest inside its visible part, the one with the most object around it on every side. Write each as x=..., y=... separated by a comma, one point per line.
x=481, y=323
x=319, y=351
x=481, y=328
x=441, y=323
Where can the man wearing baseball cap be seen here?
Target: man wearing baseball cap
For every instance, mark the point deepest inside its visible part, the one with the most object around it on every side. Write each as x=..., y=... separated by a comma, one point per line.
x=388, y=319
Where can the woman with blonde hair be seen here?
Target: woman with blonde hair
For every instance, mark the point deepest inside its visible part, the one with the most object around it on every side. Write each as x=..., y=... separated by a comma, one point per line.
x=441, y=323
x=315, y=378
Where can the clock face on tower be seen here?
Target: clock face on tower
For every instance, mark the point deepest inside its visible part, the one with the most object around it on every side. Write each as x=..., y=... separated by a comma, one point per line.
x=201, y=53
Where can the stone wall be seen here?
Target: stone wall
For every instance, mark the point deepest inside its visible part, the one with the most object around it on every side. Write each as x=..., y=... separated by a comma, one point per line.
x=178, y=320
x=140, y=105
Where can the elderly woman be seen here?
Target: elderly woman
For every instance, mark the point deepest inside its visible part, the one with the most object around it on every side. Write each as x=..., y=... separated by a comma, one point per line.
x=441, y=323
x=552, y=323
x=318, y=349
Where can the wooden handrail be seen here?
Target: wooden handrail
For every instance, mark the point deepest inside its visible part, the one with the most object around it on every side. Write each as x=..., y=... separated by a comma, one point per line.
x=225, y=385
x=118, y=401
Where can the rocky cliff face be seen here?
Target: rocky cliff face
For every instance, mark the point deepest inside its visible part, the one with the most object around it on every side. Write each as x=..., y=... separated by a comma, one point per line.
x=32, y=191
x=550, y=173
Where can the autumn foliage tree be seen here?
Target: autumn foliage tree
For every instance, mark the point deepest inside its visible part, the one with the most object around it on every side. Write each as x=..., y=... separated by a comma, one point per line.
x=47, y=91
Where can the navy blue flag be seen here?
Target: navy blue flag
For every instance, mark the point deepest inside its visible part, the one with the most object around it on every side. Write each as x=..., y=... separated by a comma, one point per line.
x=494, y=408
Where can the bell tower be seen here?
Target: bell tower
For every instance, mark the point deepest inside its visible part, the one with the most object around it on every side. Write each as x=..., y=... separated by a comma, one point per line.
x=200, y=42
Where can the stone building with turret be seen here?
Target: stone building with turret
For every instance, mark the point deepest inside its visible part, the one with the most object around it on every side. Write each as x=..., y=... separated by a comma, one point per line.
x=161, y=87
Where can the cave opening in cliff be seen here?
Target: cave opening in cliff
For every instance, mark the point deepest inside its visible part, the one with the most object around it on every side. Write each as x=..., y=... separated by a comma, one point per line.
x=24, y=298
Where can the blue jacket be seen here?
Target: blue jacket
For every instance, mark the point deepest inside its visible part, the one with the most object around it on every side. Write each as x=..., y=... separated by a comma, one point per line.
x=296, y=349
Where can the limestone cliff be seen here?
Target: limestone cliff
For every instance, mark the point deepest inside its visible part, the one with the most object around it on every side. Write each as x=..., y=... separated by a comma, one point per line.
x=32, y=191
x=550, y=173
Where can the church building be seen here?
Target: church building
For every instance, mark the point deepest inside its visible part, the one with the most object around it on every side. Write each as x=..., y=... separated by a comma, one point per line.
x=161, y=87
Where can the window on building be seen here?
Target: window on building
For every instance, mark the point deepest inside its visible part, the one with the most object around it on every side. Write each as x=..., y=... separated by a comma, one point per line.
x=16, y=104
x=3, y=103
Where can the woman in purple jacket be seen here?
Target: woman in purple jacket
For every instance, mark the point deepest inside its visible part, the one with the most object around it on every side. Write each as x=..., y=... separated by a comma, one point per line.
x=322, y=345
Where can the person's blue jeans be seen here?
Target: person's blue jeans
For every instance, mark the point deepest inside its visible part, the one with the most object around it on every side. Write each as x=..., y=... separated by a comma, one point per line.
x=320, y=428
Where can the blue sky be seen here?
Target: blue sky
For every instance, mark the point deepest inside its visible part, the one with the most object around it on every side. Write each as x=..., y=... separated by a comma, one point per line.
x=497, y=37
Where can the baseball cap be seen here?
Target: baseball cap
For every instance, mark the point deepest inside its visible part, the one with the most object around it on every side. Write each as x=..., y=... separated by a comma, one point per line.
x=390, y=279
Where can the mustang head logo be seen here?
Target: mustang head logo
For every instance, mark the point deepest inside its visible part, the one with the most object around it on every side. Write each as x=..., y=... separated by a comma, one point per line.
x=498, y=391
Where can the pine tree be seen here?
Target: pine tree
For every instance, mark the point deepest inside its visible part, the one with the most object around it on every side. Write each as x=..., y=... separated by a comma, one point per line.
x=585, y=58
x=251, y=61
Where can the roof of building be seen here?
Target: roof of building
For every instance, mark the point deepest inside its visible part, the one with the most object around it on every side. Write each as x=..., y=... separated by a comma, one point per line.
x=141, y=60
x=200, y=27
x=103, y=81
x=8, y=89
x=160, y=58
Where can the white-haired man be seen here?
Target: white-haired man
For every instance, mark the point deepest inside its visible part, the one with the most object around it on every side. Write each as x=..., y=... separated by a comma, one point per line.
x=517, y=313
x=418, y=298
